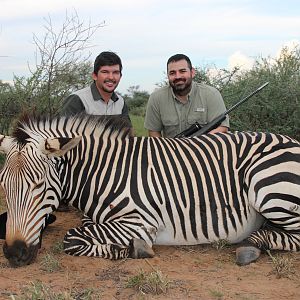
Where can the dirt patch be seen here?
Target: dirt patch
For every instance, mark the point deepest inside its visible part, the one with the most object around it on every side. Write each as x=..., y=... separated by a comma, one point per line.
x=198, y=272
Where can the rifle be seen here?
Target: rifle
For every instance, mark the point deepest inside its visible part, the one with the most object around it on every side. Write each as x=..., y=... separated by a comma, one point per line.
x=196, y=129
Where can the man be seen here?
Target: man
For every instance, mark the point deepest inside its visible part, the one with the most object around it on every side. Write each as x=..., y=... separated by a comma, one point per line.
x=100, y=97
x=174, y=108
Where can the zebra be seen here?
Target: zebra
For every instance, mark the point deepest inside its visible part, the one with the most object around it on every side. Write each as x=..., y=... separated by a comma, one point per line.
x=136, y=192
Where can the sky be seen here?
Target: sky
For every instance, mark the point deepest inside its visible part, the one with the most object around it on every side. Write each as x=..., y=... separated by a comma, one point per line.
x=145, y=34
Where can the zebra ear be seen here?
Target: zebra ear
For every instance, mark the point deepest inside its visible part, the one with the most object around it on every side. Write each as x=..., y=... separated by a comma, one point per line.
x=5, y=142
x=59, y=146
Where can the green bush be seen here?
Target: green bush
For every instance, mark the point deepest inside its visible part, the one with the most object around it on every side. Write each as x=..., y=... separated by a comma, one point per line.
x=136, y=101
x=275, y=109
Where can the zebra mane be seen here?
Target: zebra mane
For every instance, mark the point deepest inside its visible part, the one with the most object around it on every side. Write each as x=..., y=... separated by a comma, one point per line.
x=33, y=126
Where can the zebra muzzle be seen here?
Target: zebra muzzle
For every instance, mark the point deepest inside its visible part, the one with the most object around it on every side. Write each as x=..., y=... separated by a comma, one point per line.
x=19, y=254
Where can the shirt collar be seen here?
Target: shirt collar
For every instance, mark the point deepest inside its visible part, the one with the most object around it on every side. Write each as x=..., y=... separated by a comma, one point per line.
x=97, y=96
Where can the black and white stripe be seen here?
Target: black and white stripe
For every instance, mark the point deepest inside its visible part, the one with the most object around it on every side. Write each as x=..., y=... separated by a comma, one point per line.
x=235, y=186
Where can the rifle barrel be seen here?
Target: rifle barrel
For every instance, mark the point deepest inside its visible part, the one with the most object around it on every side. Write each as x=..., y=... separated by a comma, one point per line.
x=246, y=98
x=217, y=121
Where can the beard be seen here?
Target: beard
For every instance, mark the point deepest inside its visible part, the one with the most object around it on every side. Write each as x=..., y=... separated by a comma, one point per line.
x=181, y=87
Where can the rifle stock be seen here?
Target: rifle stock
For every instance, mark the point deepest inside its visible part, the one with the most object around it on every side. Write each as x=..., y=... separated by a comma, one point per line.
x=211, y=125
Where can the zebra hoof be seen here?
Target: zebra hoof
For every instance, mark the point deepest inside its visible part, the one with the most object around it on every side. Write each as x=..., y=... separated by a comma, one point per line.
x=140, y=249
x=246, y=255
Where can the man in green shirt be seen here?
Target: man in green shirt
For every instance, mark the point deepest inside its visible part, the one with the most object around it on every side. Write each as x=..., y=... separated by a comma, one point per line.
x=174, y=108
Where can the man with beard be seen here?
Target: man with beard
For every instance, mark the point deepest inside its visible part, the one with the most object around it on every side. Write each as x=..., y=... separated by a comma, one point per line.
x=100, y=97
x=174, y=108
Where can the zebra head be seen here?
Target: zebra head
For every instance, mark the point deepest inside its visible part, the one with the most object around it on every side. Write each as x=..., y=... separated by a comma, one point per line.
x=32, y=189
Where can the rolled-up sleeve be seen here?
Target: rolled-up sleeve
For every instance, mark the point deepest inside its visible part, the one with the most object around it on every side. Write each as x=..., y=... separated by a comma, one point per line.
x=153, y=118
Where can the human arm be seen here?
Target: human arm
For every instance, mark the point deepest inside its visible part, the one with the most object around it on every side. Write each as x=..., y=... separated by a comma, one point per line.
x=152, y=133
x=219, y=129
x=72, y=106
x=125, y=113
x=153, y=120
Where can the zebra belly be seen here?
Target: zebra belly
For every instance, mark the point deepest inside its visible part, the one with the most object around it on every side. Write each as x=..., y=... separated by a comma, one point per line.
x=166, y=235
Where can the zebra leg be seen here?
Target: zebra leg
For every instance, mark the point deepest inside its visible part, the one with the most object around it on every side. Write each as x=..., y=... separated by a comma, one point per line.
x=86, y=220
x=283, y=233
x=268, y=238
x=102, y=240
x=274, y=193
x=140, y=249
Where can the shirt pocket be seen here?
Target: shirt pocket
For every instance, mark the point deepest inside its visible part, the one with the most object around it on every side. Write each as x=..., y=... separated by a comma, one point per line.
x=197, y=115
x=171, y=125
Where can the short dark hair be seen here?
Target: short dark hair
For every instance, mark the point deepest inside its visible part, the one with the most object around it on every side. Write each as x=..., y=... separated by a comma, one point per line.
x=107, y=58
x=177, y=57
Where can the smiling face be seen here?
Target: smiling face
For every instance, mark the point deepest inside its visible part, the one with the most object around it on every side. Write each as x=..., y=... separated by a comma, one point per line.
x=107, y=78
x=180, y=77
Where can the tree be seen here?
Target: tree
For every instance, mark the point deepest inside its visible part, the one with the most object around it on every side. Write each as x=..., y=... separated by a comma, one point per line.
x=136, y=100
x=60, y=62
x=61, y=65
x=8, y=106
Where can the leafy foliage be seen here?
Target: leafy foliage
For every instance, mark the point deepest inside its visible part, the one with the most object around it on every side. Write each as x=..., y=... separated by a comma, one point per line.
x=136, y=101
x=274, y=109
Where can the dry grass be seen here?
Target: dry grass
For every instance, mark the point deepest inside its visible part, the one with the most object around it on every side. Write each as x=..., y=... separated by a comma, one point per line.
x=283, y=266
x=154, y=283
x=39, y=291
x=57, y=248
x=50, y=263
x=216, y=294
x=220, y=244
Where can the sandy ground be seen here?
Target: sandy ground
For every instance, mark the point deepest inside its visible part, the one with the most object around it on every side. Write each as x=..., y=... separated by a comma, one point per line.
x=198, y=272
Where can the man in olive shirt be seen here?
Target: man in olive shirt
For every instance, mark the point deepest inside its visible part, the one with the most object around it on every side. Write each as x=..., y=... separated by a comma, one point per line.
x=100, y=97
x=174, y=108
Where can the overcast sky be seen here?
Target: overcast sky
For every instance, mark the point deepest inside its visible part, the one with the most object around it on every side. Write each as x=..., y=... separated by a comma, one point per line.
x=146, y=33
